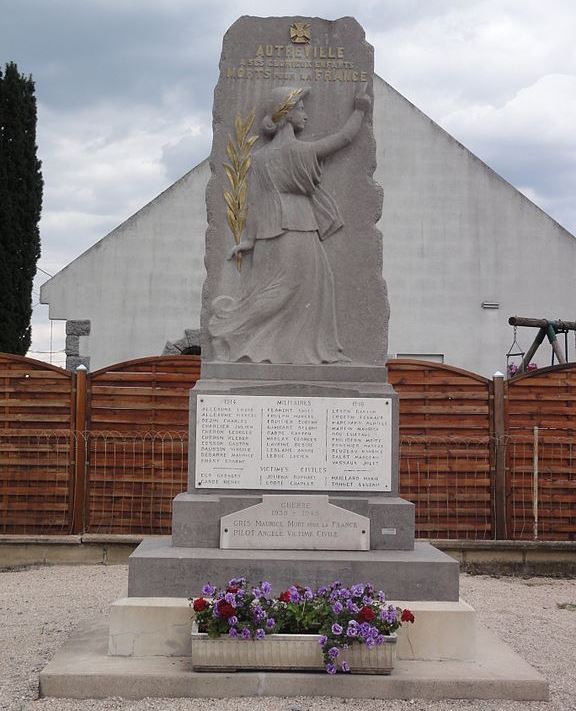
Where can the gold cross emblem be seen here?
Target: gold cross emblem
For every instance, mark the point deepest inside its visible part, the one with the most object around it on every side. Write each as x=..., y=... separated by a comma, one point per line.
x=300, y=33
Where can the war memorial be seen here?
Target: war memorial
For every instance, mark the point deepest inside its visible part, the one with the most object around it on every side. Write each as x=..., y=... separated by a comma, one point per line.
x=293, y=443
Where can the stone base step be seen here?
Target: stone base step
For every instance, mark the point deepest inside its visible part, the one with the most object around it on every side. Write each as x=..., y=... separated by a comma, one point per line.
x=158, y=569
x=82, y=669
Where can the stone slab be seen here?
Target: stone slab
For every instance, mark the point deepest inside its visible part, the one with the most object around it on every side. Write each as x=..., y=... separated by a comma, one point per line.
x=82, y=669
x=152, y=626
x=252, y=49
x=286, y=384
x=196, y=517
x=283, y=522
x=292, y=443
x=158, y=569
x=443, y=631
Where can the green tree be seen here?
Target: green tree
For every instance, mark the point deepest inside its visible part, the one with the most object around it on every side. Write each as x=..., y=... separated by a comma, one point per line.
x=20, y=206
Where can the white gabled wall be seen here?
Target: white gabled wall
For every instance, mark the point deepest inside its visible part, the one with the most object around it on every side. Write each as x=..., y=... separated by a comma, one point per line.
x=455, y=234
x=139, y=286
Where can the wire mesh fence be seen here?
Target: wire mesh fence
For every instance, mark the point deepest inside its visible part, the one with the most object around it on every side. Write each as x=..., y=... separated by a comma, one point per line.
x=131, y=479
x=542, y=484
x=449, y=482
x=36, y=481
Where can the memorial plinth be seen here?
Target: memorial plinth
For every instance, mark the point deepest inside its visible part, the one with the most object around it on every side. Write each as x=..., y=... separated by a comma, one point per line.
x=323, y=406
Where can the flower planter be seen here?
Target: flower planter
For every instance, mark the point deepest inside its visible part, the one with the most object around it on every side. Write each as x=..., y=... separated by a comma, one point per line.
x=286, y=652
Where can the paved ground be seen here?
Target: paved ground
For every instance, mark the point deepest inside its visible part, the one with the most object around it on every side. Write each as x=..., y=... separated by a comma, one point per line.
x=40, y=607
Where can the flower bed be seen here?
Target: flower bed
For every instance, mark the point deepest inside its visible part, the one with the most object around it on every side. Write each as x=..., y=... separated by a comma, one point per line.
x=347, y=622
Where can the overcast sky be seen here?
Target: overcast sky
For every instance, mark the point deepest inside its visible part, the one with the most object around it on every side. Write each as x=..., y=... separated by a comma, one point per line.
x=124, y=91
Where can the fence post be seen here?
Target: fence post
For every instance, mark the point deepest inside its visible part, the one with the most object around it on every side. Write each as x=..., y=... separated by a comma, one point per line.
x=79, y=496
x=535, y=483
x=499, y=432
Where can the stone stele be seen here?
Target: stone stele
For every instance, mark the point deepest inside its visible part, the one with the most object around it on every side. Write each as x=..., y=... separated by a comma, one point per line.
x=295, y=523
x=293, y=256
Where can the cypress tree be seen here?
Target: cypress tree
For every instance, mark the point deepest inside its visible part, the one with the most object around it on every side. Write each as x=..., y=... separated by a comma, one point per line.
x=20, y=206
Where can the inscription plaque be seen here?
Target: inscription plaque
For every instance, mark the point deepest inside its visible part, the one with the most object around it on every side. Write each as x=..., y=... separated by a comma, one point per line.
x=293, y=443
x=302, y=522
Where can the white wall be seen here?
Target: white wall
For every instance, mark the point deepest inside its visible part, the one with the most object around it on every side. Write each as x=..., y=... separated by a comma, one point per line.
x=455, y=234
x=140, y=285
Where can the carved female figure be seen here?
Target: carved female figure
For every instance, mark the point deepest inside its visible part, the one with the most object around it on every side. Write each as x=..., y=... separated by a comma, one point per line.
x=286, y=310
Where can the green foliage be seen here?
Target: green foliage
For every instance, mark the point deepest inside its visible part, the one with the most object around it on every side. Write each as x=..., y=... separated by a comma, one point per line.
x=20, y=206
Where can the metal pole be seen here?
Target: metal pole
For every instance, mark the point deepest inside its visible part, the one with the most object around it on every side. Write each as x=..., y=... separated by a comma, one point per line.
x=535, y=484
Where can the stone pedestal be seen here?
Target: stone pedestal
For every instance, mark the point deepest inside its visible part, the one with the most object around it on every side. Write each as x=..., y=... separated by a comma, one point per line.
x=178, y=567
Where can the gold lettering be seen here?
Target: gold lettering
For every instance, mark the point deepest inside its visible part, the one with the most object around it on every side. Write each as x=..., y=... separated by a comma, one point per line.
x=354, y=76
x=318, y=74
x=269, y=50
x=363, y=76
x=331, y=53
x=260, y=51
x=322, y=52
x=340, y=52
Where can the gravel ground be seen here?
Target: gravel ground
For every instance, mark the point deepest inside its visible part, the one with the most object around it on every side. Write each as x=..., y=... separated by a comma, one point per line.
x=40, y=607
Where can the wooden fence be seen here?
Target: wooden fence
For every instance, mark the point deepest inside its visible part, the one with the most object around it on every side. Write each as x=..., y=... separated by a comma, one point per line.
x=107, y=451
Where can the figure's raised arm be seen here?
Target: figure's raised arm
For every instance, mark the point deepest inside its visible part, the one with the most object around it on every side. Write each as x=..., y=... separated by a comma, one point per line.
x=345, y=136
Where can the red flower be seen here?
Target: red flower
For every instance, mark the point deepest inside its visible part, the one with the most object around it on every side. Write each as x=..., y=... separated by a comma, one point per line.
x=366, y=614
x=200, y=604
x=285, y=596
x=224, y=609
x=407, y=616
x=232, y=590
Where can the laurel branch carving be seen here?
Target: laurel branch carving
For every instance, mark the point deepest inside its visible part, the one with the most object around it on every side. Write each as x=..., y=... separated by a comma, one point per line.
x=239, y=152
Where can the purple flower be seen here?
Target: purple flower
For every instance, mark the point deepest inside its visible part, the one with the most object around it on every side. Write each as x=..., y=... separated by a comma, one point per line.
x=294, y=594
x=260, y=634
x=381, y=596
x=245, y=633
x=322, y=590
x=337, y=608
x=323, y=639
x=331, y=668
x=236, y=582
x=256, y=592
x=367, y=600
x=336, y=628
x=266, y=588
x=233, y=620
x=364, y=629
x=308, y=594
x=230, y=599
x=344, y=666
x=233, y=632
x=333, y=652
x=270, y=622
x=370, y=642
x=208, y=589
x=352, y=607
x=357, y=590
x=381, y=639
x=352, y=631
